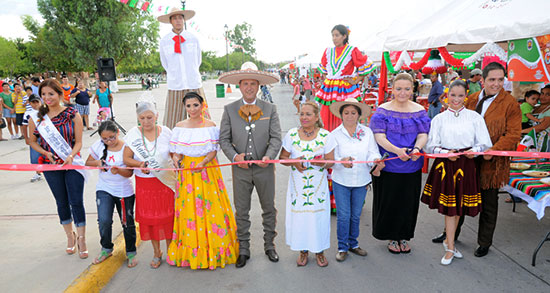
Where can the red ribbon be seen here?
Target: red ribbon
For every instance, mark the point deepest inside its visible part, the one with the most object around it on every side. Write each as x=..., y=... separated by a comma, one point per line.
x=178, y=41
x=57, y=167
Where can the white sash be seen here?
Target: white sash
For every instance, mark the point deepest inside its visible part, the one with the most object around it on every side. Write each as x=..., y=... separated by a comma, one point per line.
x=62, y=149
x=134, y=141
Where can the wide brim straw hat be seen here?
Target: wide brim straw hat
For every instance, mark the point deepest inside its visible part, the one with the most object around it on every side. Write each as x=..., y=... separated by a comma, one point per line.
x=248, y=70
x=335, y=107
x=187, y=15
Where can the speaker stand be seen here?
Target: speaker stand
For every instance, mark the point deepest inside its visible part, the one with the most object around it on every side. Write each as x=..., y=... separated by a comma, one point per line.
x=112, y=118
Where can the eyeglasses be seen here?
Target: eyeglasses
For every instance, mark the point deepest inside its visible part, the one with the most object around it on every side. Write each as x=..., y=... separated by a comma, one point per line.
x=108, y=139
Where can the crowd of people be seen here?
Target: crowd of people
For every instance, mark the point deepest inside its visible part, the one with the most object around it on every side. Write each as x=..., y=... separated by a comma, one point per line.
x=190, y=209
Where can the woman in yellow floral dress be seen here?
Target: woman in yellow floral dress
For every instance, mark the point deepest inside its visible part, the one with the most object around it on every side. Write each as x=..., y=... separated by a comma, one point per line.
x=204, y=226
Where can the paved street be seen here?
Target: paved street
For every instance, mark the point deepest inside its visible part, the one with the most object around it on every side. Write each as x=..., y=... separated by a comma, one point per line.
x=32, y=244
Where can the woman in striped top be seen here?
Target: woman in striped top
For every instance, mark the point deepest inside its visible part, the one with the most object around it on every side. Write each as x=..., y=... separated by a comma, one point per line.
x=67, y=186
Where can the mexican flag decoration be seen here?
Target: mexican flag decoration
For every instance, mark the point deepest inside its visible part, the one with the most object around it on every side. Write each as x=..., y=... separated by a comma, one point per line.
x=529, y=59
x=434, y=64
x=528, y=141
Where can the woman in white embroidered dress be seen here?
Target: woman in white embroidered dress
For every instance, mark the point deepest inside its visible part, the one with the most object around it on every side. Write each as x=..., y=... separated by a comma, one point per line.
x=308, y=201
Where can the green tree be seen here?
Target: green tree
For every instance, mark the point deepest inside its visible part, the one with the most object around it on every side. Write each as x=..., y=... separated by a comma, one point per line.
x=242, y=35
x=76, y=33
x=9, y=57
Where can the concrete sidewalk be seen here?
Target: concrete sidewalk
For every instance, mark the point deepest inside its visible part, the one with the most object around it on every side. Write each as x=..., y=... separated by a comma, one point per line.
x=33, y=258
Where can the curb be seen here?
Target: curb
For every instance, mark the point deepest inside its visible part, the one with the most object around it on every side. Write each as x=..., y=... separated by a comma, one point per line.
x=95, y=277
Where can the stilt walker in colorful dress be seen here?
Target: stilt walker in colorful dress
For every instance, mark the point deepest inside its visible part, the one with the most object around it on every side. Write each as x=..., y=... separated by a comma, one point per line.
x=204, y=226
x=338, y=65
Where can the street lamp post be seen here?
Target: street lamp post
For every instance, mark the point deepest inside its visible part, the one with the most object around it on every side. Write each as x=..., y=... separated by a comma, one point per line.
x=226, y=45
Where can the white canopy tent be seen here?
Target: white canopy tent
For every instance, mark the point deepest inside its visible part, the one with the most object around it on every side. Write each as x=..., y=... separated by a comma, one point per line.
x=467, y=24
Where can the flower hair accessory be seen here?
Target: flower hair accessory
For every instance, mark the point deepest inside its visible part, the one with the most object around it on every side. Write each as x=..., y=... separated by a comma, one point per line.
x=349, y=31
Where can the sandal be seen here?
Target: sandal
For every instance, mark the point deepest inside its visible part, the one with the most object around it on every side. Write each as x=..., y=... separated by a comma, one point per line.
x=132, y=262
x=102, y=257
x=155, y=263
x=71, y=250
x=393, y=247
x=302, y=259
x=321, y=260
x=404, y=246
x=82, y=254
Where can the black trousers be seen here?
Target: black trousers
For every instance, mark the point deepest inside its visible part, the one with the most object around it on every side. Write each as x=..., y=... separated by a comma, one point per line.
x=487, y=218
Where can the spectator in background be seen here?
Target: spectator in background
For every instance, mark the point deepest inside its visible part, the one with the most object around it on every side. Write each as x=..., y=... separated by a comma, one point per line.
x=373, y=80
x=34, y=85
x=8, y=109
x=306, y=87
x=67, y=89
x=531, y=99
x=82, y=102
x=474, y=84
x=17, y=99
x=435, y=93
x=104, y=98
x=32, y=104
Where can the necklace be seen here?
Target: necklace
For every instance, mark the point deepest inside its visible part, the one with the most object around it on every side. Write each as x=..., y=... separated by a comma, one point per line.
x=154, y=150
x=308, y=134
x=456, y=112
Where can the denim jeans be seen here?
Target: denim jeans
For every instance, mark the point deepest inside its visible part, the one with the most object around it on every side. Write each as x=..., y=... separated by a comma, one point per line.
x=67, y=187
x=434, y=110
x=349, y=204
x=105, y=208
x=34, y=156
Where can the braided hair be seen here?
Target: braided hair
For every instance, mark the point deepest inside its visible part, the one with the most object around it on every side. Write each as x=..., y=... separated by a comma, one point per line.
x=107, y=125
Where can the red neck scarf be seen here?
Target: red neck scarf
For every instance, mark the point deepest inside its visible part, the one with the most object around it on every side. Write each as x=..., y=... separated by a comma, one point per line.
x=178, y=41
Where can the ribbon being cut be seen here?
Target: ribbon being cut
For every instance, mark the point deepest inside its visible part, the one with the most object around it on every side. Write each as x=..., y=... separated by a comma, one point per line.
x=54, y=167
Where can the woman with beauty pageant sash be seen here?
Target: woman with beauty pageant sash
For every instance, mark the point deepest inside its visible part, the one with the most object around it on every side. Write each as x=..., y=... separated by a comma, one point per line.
x=57, y=136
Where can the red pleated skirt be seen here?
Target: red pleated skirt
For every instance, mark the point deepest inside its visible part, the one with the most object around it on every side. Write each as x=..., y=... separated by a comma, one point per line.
x=154, y=209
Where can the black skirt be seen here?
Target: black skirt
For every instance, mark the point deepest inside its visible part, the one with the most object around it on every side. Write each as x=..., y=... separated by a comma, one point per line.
x=395, y=205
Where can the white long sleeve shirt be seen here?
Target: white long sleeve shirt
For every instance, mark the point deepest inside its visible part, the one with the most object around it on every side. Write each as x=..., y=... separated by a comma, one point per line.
x=363, y=148
x=182, y=69
x=450, y=132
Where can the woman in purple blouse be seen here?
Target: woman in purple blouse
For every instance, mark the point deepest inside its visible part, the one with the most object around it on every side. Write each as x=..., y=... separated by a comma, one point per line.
x=401, y=129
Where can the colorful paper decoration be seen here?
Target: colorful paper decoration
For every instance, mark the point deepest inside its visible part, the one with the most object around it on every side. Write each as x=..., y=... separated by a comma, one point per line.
x=487, y=49
x=434, y=64
x=529, y=59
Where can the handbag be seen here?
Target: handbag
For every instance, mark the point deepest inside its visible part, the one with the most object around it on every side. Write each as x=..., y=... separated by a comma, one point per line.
x=2, y=123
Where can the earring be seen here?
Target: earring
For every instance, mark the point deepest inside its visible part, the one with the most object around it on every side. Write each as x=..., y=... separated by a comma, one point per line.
x=139, y=123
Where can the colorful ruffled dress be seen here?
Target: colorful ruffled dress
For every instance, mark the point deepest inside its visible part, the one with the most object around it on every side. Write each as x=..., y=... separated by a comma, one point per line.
x=337, y=64
x=204, y=227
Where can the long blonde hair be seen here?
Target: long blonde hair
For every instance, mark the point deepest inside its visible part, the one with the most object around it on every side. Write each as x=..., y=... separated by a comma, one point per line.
x=316, y=111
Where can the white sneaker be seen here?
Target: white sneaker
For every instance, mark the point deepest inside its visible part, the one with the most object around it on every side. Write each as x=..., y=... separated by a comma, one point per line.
x=457, y=253
x=13, y=137
x=36, y=177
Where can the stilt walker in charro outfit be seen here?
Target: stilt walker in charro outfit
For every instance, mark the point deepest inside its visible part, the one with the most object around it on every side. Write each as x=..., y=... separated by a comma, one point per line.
x=180, y=55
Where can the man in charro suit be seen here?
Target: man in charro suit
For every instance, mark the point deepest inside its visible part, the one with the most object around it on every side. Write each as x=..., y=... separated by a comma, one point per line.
x=250, y=130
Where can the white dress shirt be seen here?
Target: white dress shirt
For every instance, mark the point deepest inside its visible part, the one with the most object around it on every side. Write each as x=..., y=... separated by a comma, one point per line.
x=182, y=69
x=363, y=149
x=486, y=103
x=449, y=132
